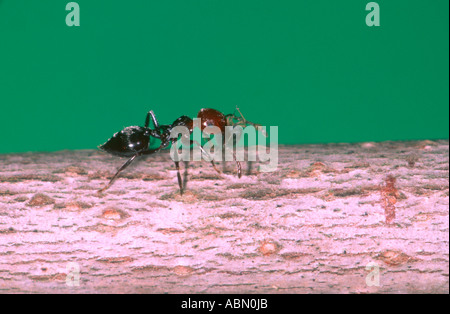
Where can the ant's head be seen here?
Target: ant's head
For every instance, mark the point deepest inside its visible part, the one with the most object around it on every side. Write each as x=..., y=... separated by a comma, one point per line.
x=234, y=120
x=129, y=141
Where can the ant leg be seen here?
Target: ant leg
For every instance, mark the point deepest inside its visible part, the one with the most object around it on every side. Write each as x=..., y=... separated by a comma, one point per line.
x=129, y=161
x=235, y=140
x=180, y=183
x=224, y=153
x=206, y=154
x=249, y=167
x=147, y=119
x=185, y=174
x=238, y=165
x=163, y=144
x=177, y=165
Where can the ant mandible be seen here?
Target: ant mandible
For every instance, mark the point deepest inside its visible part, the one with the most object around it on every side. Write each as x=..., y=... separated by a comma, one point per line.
x=133, y=141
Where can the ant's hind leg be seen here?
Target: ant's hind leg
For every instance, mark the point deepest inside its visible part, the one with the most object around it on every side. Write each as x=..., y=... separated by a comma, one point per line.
x=147, y=119
x=129, y=161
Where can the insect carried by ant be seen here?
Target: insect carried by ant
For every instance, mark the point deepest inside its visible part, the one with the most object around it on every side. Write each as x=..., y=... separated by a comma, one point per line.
x=133, y=141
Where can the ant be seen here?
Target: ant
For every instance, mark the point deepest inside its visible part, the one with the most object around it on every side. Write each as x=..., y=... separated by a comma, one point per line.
x=133, y=141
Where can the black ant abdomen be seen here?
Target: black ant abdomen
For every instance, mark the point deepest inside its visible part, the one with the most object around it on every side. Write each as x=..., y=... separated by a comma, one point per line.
x=128, y=142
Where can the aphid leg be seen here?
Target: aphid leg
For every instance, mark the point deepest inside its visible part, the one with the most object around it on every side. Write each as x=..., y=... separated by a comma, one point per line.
x=206, y=154
x=129, y=161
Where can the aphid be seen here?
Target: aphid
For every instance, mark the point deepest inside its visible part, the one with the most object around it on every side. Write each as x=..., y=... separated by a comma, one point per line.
x=133, y=141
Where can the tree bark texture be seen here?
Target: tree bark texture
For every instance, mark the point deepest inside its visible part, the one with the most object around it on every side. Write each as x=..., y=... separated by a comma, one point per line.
x=335, y=218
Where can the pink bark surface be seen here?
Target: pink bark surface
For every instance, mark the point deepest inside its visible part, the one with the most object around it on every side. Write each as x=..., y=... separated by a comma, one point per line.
x=328, y=220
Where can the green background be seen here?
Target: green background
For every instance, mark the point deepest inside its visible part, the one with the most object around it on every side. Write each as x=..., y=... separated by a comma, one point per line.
x=313, y=68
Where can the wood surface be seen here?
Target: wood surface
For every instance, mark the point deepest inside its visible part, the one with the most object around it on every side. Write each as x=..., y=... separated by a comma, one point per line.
x=326, y=221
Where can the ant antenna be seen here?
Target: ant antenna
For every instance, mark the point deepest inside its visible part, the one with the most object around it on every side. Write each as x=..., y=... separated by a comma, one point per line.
x=237, y=108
